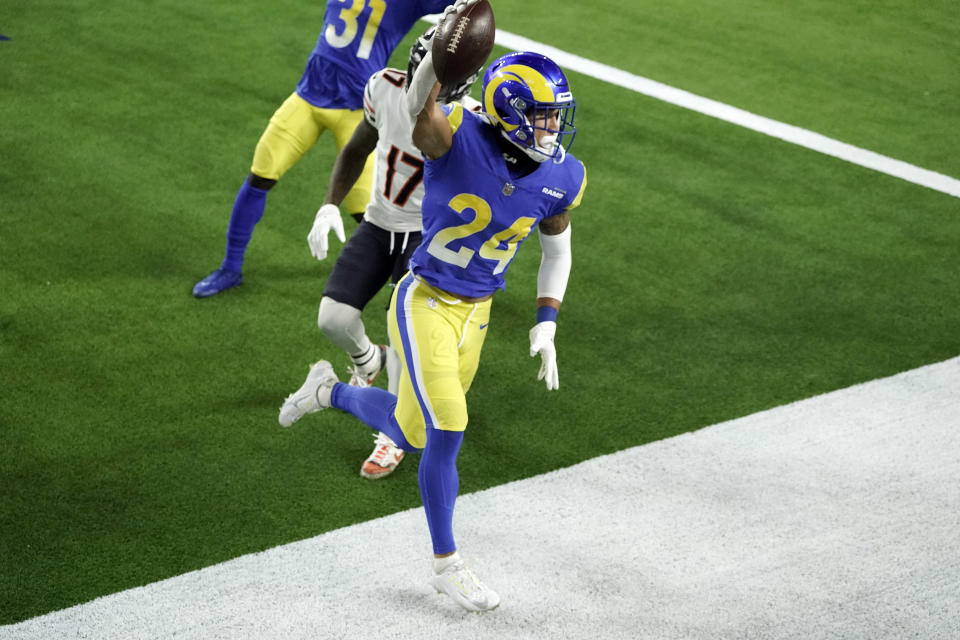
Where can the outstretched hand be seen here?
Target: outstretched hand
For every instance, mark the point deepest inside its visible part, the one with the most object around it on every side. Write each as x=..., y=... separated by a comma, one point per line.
x=327, y=219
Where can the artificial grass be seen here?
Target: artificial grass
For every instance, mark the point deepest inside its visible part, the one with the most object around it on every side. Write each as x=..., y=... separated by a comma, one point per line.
x=879, y=75
x=717, y=273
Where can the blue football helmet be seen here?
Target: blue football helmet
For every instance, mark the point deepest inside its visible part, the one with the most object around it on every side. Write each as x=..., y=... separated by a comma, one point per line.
x=524, y=92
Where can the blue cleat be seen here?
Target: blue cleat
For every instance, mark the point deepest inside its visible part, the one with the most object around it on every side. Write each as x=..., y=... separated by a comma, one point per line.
x=219, y=280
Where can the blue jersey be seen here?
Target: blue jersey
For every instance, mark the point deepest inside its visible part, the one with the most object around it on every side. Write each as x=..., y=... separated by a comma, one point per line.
x=357, y=39
x=475, y=215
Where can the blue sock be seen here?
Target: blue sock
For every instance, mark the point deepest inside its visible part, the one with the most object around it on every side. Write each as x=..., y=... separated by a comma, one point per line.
x=247, y=211
x=439, y=484
x=374, y=407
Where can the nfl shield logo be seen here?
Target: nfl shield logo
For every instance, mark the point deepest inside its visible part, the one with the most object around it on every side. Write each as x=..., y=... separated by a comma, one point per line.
x=508, y=189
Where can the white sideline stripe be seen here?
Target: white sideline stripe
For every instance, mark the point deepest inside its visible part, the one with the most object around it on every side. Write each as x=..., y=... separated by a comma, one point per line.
x=832, y=517
x=733, y=115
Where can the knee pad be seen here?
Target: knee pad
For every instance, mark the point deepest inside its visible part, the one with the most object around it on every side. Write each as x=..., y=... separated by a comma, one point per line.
x=342, y=325
x=335, y=316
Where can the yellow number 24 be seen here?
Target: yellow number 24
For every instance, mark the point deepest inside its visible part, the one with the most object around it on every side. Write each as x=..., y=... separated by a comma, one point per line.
x=491, y=249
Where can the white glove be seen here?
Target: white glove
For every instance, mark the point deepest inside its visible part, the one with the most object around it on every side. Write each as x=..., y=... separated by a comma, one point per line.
x=456, y=7
x=541, y=341
x=328, y=217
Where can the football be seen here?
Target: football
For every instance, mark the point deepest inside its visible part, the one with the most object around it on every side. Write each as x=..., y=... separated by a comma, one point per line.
x=463, y=42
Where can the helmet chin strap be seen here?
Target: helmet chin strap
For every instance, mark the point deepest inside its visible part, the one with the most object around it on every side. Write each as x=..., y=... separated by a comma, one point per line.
x=541, y=151
x=559, y=158
x=545, y=149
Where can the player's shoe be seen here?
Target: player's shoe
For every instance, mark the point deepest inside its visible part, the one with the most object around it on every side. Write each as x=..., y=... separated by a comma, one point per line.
x=384, y=459
x=219, y=280
x=461, y=584
x=312, y=396
x=364, y=376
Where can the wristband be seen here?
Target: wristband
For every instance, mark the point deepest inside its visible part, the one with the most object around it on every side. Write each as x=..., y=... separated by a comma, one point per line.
x=546, y=314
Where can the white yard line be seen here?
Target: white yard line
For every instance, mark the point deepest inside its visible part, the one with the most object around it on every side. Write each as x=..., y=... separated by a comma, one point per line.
x=789, y=133
x=833, y=517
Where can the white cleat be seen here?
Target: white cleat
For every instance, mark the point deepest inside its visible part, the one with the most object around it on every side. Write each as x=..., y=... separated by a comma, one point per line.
x=384, y=459
x=312, y=396
x=461, y=584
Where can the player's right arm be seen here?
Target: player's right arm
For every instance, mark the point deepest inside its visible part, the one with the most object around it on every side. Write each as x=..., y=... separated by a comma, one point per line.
x=350, y=162
x=346, y=170
x=431, y=131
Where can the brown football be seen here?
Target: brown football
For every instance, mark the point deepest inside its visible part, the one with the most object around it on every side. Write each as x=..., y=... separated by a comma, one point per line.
x=463, y=42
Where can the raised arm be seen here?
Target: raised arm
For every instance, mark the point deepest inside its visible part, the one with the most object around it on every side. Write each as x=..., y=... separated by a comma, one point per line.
x=431, y=131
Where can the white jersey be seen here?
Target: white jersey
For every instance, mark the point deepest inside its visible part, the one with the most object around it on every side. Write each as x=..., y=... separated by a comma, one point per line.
x=398, y=173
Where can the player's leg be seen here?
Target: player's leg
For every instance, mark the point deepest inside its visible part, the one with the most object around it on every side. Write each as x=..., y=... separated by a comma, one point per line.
x=399, y=383
x=385, y=456
x=471, y=342
x=429, y=333
x=439, y=484
x=404, y=244
x=360, y=271
x=341, y=323
x=438, y=471
x=322, y=390
x=438, y=476
x=373, y=406
x=291, y=132
x=422, y=329
x=362, y=268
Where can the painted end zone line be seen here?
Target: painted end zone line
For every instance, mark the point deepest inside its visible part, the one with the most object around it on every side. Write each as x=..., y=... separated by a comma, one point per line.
x=714, y=109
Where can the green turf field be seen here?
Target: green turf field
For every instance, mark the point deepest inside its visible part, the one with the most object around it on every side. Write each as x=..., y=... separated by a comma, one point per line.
x=717, y=271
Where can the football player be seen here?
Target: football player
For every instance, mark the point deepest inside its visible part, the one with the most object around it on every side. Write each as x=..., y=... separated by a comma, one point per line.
x=379, y=249
x=356, y=39
x=489, y=179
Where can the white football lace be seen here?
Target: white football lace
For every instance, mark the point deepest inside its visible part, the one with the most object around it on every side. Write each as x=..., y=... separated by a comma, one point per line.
x=385, y=448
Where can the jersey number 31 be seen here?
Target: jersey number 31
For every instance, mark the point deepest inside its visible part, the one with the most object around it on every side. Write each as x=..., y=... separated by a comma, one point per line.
x=349, y=16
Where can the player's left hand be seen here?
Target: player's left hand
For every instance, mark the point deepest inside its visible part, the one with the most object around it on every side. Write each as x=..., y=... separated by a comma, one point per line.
x=541, y=341
x=328, y=218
